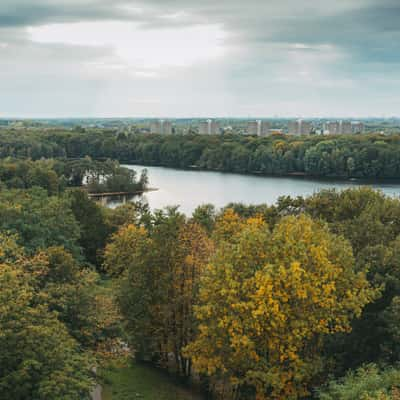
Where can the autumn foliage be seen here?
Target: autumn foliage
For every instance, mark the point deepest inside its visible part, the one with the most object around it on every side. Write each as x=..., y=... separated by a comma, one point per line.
x=266, y=300
x=248, y=307
x=159, y=268
x=250, y=302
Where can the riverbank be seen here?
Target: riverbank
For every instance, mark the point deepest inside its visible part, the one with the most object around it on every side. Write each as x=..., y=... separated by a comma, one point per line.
x=295, y=175
x=190, y=188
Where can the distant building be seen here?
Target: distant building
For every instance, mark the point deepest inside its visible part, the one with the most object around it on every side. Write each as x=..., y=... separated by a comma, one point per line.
x=209, y=127
x=345, y=128
x=214, y=128
x=299, y=127
x=204, y=128
x=264, y=128
x=305, y=128
x=161, y=127
x=342, y=127
x=167, y=128
x=332, y=128
x=253, y=128
x=259, y=128
x=357, y=127
x=293, y=127
x=155, y=127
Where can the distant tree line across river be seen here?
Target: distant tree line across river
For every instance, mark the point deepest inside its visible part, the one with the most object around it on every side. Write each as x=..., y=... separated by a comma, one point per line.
x=361, y=156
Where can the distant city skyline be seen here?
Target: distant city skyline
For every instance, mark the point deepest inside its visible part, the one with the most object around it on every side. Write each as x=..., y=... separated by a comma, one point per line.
x=203, y=118
x=189, y=59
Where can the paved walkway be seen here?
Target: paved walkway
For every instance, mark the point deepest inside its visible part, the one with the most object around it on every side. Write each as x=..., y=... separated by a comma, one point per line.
x=96, y=394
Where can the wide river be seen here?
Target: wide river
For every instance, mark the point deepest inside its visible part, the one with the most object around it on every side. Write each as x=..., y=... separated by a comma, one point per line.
x=188, y=189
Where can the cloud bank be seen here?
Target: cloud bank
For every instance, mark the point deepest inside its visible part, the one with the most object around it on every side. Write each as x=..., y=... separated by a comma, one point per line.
x=174, y=58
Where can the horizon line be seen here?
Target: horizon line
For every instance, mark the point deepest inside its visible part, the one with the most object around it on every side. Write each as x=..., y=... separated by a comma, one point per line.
x=192, y=117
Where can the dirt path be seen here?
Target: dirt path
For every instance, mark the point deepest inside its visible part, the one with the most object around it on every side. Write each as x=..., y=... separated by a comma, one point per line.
x=96, y=394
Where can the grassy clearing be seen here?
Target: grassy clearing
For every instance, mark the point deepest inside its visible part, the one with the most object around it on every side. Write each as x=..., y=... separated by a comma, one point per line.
x=141, y=382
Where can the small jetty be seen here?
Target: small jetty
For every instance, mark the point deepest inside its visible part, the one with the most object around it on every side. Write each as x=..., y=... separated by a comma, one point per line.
x=104, y=197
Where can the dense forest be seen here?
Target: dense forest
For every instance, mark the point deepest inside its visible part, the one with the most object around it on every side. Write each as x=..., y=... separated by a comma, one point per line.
x=369, y=156
x=300, y=299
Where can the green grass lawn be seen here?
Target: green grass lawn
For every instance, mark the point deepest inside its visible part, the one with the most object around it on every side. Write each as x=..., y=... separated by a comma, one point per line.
x=141, y=382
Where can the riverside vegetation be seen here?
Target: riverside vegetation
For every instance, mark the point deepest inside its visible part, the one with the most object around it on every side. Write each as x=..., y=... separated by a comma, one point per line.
x=343, y=156
x=300, y=299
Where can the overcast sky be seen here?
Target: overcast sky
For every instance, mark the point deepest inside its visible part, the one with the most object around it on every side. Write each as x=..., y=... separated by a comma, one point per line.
x=178, y=58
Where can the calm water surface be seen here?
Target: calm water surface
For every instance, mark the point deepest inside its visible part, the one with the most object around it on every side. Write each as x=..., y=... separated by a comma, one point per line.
x=188, y=189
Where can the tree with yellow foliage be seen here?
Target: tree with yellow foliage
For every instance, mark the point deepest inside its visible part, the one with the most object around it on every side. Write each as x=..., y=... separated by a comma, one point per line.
x=268, y=298
x=159, y=269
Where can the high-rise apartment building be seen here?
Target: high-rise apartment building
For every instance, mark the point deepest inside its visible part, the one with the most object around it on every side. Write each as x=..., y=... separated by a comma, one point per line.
x=253, y=128
x=209, y=127
x=299, y=127
x=331, y=128
x=345, y=128
x=264, y=128
x=357, y=127
x=204, y=128
x=155, y=127
x=161, y=127
x=293, y=127
x=259, y=128
x=167, y=128
x=214, y=128
x=342, y=127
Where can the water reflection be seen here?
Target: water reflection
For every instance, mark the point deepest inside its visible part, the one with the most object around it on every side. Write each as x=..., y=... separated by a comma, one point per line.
x=188, y=189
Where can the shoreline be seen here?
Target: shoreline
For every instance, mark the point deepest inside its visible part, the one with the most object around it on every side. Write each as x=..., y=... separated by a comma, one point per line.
x=294, y=175
x=115, y=194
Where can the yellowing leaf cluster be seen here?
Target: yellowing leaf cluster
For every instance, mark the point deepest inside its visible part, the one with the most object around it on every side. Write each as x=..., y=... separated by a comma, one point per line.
x=266, y=300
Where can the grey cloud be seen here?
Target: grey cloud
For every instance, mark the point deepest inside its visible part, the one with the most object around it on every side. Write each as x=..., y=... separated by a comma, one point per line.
x=353, y=24
x=269, y=41
x=22, y=13
x=366, y=30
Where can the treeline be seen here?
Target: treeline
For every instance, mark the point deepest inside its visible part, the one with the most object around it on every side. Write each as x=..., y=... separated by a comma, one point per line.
x=295, y=300
x=345, y=156
x=55, y=175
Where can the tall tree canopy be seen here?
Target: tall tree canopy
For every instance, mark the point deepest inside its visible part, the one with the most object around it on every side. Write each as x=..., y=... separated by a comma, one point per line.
x=38, y=357
x=268, y=298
